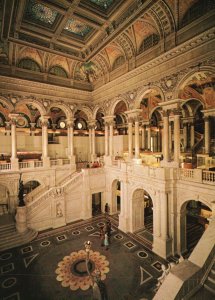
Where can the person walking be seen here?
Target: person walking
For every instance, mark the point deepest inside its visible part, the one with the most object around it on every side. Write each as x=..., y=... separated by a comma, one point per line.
x=106, y=241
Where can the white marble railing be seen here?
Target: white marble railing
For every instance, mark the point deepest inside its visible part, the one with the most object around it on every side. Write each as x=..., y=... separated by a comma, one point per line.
x=35, y=193
x=5, y=167
x=31, y=164
x=45, y=195
x=197, y=175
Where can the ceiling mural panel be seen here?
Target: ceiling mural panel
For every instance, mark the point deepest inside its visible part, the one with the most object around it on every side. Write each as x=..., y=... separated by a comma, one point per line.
x=78, y=28
x=103, y=3
x=39, y=12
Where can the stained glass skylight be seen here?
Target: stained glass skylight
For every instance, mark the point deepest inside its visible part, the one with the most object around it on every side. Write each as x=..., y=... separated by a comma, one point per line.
x=38, y=12
x=103, y=3
x=77, y=27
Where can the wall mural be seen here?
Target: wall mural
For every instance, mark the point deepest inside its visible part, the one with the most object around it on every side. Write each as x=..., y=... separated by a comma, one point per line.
x=200, y=86
x=148, y=103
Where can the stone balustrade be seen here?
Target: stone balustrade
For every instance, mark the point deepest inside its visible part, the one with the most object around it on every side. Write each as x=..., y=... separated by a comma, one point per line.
x=31, y=164
x=197, y=175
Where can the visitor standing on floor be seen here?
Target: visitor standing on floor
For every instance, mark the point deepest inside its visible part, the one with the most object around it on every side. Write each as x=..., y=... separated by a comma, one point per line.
x=106, y=209
x=102, y=235
x=106, y=241
x=108, y=229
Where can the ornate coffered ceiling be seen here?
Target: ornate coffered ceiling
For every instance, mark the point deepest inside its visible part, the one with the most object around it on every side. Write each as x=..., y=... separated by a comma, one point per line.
x=86, y=41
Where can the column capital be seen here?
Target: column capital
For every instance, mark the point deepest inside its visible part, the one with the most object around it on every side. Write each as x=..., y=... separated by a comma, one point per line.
x=134, y=113
x=165, y=113
x=13, y=118
x=109, y=120
x=44, y=120
x=176, y=112
x=70, y=123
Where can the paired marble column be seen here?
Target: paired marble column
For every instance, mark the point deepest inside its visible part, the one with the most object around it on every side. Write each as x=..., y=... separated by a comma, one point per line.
x=170, y=137
x=207, y=135
x=109, y=134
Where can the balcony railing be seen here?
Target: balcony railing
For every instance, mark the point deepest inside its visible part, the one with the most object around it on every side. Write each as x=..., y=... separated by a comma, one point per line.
x=197, y=175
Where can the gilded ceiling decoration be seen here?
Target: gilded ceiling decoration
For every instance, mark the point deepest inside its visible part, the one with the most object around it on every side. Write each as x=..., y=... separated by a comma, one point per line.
x=77, y=27
x=38, y=12
x=103, y=3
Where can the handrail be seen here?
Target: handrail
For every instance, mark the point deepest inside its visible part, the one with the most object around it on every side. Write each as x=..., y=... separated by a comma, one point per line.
x=5, y=166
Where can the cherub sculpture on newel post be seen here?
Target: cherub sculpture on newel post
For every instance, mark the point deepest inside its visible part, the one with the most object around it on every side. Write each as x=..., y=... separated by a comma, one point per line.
x=21, y=214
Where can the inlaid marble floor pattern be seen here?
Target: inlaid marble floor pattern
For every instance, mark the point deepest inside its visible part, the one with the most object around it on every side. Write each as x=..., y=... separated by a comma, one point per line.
x=51, y=267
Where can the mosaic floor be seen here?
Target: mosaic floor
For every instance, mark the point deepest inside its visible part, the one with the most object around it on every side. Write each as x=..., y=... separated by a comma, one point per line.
x=53, y=266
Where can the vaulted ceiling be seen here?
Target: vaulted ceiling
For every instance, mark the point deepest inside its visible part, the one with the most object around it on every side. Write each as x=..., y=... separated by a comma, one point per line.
x=84, y=40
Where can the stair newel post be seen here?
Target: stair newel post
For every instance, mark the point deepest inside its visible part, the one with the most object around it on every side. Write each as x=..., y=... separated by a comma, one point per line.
x=21, y=212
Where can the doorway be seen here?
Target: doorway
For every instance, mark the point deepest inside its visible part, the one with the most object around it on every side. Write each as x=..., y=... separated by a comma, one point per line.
x=96, y=204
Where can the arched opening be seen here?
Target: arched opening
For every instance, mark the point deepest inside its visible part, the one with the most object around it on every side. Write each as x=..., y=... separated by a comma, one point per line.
x=116, y=197
x=142, y=213
x=4, y=200
x=30, y=186
x=96, y=204
x=195, y=220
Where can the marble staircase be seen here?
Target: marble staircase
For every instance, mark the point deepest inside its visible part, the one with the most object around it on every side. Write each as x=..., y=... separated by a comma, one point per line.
x=9, y=237
x=210, y=281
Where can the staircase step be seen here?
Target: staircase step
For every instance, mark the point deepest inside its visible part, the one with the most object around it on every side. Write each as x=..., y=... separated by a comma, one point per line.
x=20, y=239
x=211, y=279
x=210, y=287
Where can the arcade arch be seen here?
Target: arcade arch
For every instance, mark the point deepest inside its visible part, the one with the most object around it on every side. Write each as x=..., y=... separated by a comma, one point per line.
x=116, y=197
x=142, y=211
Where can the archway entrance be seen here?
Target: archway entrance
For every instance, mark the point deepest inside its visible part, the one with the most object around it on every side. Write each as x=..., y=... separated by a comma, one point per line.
x=4, y=200
x=196, y=222
x=142, y=212
x=96, y=204
x=116, y=197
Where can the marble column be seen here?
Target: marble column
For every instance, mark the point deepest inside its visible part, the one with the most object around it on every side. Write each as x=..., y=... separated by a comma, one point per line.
x=170, y=137
x=149, y=138
x=13, y=118
x=106, y=139
x=130, y=137
x=93, y=141
x=90, y=141
x=207, y=135
x=70, y=135
x=143, y=137
x=137, y=138
x=111, y=139
x=185, y=136
x=165, y=149
x=192, y=135
x=176, y=136
x=44, y=124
